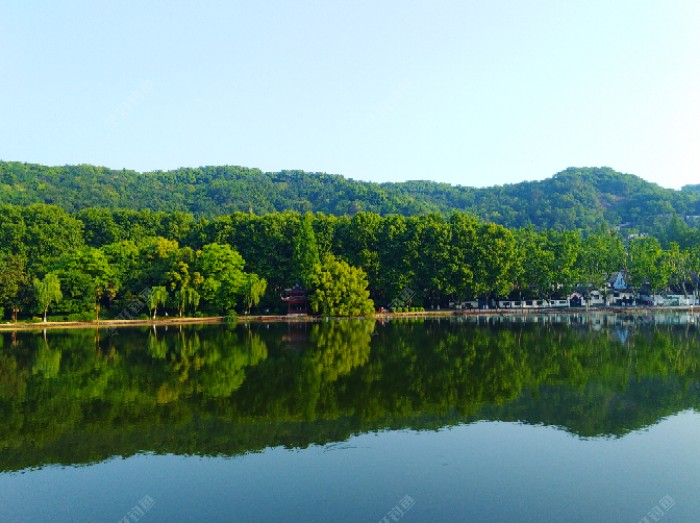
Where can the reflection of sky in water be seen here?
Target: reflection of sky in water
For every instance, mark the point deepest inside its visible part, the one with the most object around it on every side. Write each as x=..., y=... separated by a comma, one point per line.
x=487, y=471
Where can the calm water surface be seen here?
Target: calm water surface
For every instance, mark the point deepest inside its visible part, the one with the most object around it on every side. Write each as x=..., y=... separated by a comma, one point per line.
x=498, y=420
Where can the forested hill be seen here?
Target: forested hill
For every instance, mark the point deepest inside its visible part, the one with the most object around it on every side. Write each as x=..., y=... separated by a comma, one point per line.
x=574, y=198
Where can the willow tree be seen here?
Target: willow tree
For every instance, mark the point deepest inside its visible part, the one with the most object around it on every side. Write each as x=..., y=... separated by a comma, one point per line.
x=339, y=289
x=47, y=291
x=254, y=288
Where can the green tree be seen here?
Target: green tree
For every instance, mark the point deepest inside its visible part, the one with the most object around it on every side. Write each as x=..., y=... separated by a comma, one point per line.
x=125, y=259
x=567, y=249
x=87, y=278
x=157, y=295
x=305, y=250
x=183, y=281
x=675, y=263
x=50, y=233
x=338, y=289
x=253, y=290
x=222, y=270
x=645, y=263
x=13, y=278
x=47, y=291
x=602, y=254
x=185, y=298
x=538, y=260
x=396, y=272
x=496, y=262
x=462, y=250
x=428, y=250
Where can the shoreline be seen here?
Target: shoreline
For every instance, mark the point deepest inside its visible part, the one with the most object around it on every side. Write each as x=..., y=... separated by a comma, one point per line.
x=111, y=324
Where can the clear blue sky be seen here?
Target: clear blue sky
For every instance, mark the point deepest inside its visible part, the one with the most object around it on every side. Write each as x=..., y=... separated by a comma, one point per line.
x=477, y=93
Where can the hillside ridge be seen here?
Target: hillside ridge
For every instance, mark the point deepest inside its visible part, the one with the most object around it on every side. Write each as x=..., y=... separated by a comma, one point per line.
x=577, y=197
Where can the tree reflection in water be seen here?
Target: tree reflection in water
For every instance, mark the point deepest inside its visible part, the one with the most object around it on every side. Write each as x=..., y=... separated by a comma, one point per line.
x=73, y=397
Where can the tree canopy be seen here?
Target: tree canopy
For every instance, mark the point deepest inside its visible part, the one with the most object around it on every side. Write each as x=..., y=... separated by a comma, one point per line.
x=239, y=261
x=576, y=198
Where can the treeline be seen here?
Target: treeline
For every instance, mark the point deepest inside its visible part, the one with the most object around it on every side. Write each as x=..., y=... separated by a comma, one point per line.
x=576, y=198
x=100, y=261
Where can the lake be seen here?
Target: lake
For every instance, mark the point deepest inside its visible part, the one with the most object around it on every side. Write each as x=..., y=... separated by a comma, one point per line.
x=500, y=419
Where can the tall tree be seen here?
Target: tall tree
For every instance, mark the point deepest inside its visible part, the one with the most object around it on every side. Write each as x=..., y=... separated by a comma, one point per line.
x=537, y=255
x=428, y=247
x=13, y=278
x=602, y=254
x=253, y=290
x=87, y=279
x=221, y=268
x=305, y=250
x=463, y=247
x=496, y=262
x=47, y=291
x=182, y=280
x=339, y=289
x=645, y=257
x=157, y=295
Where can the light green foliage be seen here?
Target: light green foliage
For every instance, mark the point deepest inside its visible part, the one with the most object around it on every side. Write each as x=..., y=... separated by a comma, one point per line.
x=183, y=281
x=496, y=262
x=124, y=258
x=253, y=290
x=157, y=295
x=338, y=289
x=674, y=265
x=567, y=250
x=537, y=259
x=47, y=291
x=602, y=254
x=186, y=298
x=645, y=264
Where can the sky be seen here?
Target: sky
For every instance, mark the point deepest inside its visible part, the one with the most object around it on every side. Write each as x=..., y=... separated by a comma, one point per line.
x=476, y=93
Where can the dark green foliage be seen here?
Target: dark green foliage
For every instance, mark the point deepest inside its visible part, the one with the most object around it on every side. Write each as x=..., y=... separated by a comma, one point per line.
x=208, y=265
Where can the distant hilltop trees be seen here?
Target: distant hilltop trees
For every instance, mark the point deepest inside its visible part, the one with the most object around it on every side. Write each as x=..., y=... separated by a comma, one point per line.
x=576, y=198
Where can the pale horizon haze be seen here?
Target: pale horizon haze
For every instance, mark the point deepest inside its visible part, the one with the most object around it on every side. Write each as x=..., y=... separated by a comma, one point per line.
x=462, y=92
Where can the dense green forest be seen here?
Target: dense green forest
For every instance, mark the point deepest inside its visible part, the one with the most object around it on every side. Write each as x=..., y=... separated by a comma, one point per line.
x=577, y=198
x=75, y=397
x=100, y=263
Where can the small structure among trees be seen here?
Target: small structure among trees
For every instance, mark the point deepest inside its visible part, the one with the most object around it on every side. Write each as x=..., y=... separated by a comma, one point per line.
x=297, y=299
